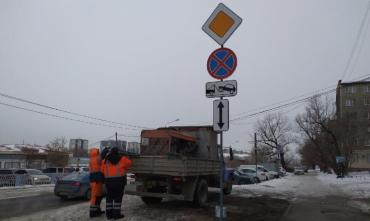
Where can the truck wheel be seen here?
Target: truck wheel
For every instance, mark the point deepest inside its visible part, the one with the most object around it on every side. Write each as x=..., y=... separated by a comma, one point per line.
x=201, y=194
x=228, y=188
x=151, y=200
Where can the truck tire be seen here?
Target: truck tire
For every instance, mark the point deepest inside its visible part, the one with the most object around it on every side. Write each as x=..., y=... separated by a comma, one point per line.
x=151, y=200
x=228, y=188
x=201, y=194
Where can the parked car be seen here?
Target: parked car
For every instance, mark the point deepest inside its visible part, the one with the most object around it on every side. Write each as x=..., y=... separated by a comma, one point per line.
x=261, y=175
x=270, y=174
x=298, y=171
x=58, y=170
x=282, y=172
x=7, y=177
x=34, y=176
x=74, y=185
x=245, y=176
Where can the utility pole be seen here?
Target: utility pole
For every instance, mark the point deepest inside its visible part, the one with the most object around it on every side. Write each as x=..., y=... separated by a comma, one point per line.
x=117, y=140
x=255, y=150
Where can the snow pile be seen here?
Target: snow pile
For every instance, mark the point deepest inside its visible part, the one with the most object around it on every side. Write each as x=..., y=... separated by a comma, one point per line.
x=356, y=185
x=24, y=191
x=284, y=188
x=19, y=147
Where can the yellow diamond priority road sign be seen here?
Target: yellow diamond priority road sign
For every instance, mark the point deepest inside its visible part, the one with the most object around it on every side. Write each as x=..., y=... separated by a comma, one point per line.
x=221, y=24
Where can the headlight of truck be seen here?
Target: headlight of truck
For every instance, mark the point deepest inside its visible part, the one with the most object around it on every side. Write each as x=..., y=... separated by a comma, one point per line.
x=35, y=178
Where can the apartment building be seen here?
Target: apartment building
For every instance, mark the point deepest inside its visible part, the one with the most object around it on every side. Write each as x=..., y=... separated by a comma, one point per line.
x=353, y=103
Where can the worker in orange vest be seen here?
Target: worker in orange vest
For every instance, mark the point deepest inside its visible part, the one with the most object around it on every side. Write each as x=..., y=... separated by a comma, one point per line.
x=96, y=183
x=114, y=168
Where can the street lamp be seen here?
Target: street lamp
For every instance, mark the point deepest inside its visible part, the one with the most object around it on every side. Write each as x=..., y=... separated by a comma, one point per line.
x=171, y=122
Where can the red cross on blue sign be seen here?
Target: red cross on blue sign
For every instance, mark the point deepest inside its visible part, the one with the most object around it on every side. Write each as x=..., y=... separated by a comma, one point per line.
x=221, y=63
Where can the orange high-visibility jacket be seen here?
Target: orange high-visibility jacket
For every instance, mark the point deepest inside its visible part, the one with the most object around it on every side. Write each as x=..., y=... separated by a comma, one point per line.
x=95, y=165
x=95, y=161
x=119, y=170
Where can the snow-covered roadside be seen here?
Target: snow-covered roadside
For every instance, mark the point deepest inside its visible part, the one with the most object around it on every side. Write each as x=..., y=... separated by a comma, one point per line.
x=313, y=184
x=356, y=185
x=283, y=188
x=24, y=191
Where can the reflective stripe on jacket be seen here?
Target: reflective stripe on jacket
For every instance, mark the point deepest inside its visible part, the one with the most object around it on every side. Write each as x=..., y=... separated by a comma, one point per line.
x=119, y=170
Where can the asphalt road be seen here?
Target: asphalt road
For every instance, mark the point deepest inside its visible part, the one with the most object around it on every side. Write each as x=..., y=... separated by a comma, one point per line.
x=20, y=206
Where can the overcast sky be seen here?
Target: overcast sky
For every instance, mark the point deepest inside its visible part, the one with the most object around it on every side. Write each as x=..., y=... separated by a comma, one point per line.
x=144, y=62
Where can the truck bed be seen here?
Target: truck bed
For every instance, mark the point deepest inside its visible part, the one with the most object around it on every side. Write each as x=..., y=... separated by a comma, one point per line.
x=165, y=165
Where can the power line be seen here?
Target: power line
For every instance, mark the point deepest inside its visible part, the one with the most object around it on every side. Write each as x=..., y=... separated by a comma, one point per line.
x=355, y=45
x=62, y=117
x=280, y=106
x=68, y=112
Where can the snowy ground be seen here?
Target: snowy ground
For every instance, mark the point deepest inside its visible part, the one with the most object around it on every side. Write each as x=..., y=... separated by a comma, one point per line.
x=24, y=191
x=353, y=191
x=356, y=185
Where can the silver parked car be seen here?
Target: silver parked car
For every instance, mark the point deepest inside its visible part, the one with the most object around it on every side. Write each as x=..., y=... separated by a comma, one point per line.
x=33, y=176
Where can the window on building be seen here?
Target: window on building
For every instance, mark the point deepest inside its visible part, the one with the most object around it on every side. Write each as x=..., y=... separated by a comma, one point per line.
x=349, y=102
x=367, y=89
x=15, y=165
x=367, y=101
x=368, y=129
x=350, y=90
x=368, y=115
x=1, y=163
x=368, y=158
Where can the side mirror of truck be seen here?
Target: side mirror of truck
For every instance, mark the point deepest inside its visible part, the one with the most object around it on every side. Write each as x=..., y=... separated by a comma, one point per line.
x=231, y=153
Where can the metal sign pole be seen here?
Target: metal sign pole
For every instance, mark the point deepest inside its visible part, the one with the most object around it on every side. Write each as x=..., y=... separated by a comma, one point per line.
x=221, y=177
x=222, y=171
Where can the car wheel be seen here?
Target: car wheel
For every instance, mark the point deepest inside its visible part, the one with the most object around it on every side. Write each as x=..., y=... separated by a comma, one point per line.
x=256, y=180
x=88, y=194
x=227, y=189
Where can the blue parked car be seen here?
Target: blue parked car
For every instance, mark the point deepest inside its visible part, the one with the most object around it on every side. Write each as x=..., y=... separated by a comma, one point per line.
x=74, y=185
x=245, y=177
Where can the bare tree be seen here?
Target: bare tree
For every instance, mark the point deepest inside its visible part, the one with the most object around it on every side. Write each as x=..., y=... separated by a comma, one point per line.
x=274, y=133
x=324, y=133
x=57, y=154
x=58, y=144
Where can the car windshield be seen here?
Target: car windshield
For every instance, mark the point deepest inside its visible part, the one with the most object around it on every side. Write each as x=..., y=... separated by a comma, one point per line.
x=34, y=172
x=248, y=171
x=77, y=176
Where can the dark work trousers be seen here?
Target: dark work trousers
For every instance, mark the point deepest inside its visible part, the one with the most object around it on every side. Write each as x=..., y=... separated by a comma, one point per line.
x=115, y=188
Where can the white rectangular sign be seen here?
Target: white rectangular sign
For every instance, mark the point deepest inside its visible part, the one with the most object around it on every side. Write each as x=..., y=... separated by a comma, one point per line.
x=221, y=115
x=221, y=89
